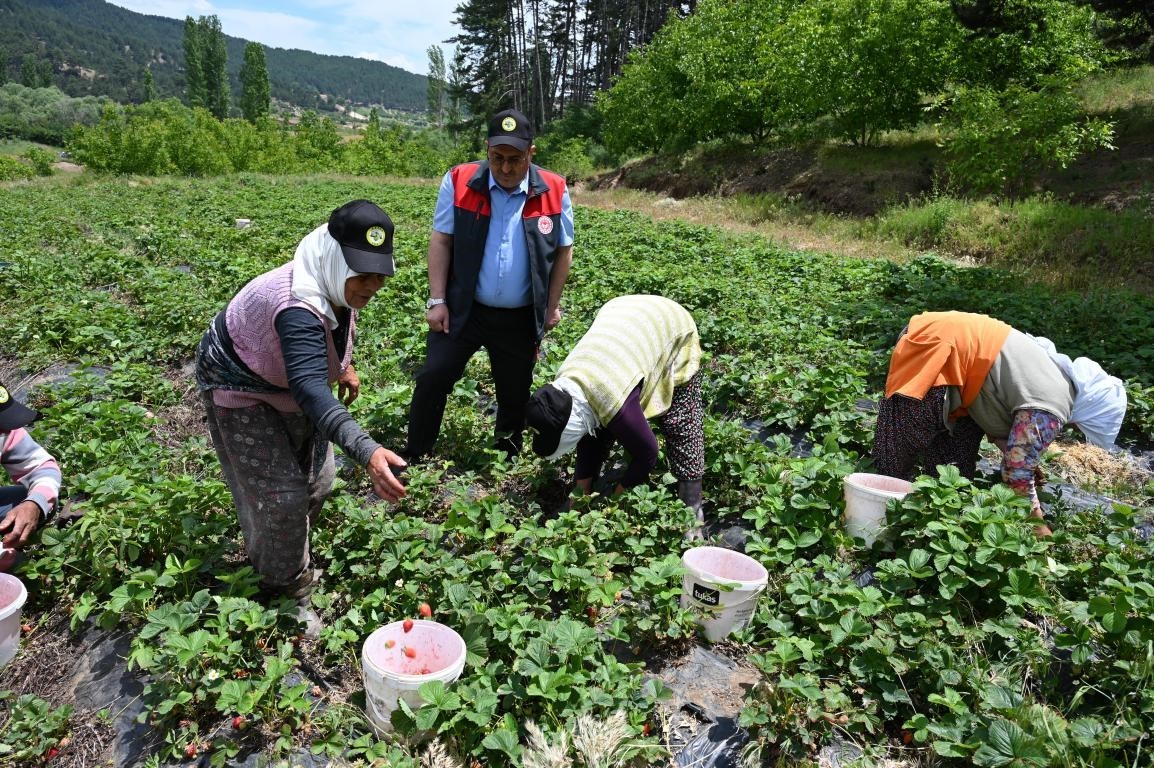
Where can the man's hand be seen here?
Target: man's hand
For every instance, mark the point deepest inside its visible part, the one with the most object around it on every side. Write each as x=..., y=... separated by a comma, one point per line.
x=552, y=317
x=438, y=318
x=19, y=524
x=348, y=386
x=385, y=483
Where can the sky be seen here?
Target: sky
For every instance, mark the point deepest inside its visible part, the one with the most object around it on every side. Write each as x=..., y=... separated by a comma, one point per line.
x=397, y=32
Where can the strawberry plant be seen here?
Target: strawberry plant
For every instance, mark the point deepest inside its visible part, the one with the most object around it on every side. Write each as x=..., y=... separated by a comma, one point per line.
x=965, y=637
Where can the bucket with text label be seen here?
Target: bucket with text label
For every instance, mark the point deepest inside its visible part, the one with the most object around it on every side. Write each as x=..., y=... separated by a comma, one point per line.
x=723, y=586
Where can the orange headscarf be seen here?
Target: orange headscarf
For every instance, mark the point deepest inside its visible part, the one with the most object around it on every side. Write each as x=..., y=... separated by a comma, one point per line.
x=946, y=349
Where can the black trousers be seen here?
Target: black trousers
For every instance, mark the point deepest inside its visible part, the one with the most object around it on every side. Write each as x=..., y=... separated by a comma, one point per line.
x=510, y=338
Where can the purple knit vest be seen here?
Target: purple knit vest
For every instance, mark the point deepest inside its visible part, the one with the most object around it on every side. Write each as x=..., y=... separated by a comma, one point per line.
x=250, y=317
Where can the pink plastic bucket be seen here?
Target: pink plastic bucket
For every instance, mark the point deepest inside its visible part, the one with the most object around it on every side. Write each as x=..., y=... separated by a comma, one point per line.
x=866, y=497
x=12, y=597
x=723, y=586
x=391, y=675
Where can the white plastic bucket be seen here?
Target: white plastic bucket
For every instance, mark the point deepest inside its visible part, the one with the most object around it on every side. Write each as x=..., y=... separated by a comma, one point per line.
x=12, y=597
x=866, y=496
x=724, y=586
x=391, y=675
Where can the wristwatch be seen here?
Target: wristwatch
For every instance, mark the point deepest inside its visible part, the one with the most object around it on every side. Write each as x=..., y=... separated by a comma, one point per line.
x=433, y=303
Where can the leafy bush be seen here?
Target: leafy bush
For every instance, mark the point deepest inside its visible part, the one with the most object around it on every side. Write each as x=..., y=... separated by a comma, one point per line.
x=166, y=137
x=570, y=157
x=41, y=160
x=45, y=115
x=12, y=169
x=1000, y=140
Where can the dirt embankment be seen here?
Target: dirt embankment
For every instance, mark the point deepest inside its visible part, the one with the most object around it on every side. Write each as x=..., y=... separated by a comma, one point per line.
x=863, y=181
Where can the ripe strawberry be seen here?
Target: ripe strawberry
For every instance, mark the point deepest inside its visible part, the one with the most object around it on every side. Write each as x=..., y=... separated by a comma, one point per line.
x=645, y=729
x=410, y=652
x=190, y=751
x=51, y=753
x=25, y=628
x=425, y=610
x=907, y=736
x=239, y=723
x=390, y=643
x=408, y=625
x=591, y=612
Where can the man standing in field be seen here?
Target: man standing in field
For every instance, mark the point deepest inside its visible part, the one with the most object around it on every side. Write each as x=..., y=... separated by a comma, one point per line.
x=499, y=255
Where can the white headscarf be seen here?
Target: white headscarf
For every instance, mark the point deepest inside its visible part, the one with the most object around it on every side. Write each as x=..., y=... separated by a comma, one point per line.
x=582, y=420
x=1099, y=398
x=320, y=272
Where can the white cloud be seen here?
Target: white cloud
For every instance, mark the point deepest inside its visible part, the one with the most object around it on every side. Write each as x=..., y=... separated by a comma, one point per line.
x=398, y=32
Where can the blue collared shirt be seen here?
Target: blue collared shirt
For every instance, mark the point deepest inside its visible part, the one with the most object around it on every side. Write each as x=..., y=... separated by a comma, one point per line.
x=504, y=277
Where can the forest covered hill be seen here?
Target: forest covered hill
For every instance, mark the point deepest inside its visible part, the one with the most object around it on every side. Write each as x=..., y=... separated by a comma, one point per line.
x=96, y=48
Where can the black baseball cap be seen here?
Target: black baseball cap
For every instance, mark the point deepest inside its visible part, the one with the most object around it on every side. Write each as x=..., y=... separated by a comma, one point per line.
x=511, y=127
x=365, y=233
x=13, y=413
x=547, y=412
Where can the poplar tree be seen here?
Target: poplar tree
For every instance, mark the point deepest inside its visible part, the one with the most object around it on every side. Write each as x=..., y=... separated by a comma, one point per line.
x=436, y=90
x=254, y=97
x=205, y=60
x=29, y=72
x=149, y=85
x=194, y=86
x=215, y=62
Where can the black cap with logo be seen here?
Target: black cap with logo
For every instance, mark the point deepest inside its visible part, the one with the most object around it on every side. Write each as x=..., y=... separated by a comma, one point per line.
x=512, y=128
x=365, y=233
x=13, y=413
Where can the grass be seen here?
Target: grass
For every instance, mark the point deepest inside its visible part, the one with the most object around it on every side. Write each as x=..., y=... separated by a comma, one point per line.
x=17, y=147
x=1116, y=90
x=1066, y=245
x=1048, y=241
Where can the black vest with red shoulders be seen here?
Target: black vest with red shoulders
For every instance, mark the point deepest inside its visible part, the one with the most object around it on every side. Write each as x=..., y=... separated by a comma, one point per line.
x=472, y=211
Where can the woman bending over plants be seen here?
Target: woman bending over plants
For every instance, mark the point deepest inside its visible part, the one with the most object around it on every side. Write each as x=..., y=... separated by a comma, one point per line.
x=266, y=367
x=31, y=501
x=956, y=376
x=640, y=359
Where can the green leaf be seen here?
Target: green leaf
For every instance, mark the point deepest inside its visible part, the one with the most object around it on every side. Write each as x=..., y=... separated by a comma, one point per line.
x=502, y=740
x=1007, y=744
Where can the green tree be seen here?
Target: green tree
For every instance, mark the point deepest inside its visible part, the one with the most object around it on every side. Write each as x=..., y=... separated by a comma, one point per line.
x=878, y=61
x=254, y=99
x=149, y=85
x=29, y=71
x=46, y=72
x=3, y=66
x=195, y=89
x=1010, y=109
x=206, y=60
x=436, y=92
x=215, y=66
